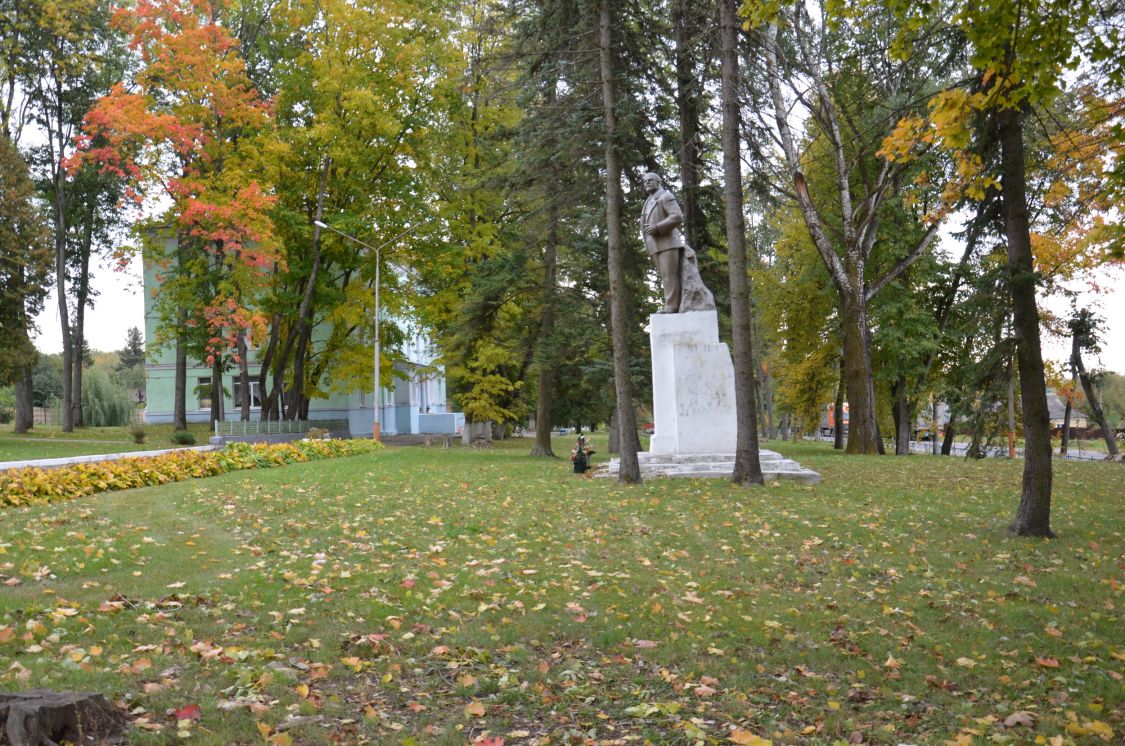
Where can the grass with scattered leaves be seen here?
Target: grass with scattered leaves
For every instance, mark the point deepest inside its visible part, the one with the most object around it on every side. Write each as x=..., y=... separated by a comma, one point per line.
x=49, y=441
x=421, y=595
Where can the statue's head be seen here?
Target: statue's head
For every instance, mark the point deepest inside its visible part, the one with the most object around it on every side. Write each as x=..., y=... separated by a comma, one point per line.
x=651, y=182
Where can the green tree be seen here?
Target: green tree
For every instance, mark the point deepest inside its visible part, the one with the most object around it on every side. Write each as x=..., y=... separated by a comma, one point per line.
x=130, y=367
x=747, y=466
x=357, y=137
x=1113, y=397
x=106, y=403
x=132, y=354
x=1021, y=53
x=69, y=57
x=852, y=106
x=25, y=264
x=1085, y=329
x=46, y=380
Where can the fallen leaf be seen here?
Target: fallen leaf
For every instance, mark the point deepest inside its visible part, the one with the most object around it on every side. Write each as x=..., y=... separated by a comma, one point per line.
x=475, y=709
x=746, y=738
x=189, y=712
x=1022, y=717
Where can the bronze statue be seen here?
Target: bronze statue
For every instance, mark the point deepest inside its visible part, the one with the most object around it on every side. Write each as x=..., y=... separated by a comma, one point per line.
x=675, y=261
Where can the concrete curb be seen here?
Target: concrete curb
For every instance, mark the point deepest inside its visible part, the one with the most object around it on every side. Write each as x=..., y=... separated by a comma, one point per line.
x=55, y=463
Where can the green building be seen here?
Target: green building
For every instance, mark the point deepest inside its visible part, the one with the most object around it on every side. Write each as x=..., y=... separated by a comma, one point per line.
x=415, y=403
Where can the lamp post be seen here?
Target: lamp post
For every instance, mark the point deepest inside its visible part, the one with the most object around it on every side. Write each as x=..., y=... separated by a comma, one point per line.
x=377, y=420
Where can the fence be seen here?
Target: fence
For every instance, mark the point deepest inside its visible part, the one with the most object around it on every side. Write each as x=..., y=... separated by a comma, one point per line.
x=276, y=427
x=1077, y=453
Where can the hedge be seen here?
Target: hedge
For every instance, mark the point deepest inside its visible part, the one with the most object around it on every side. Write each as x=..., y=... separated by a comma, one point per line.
x=35, y=486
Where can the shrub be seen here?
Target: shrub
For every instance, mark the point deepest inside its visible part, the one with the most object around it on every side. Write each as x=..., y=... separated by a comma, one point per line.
x=317, y=433
x=137, y=427
x=183, y=438
x=34, y=486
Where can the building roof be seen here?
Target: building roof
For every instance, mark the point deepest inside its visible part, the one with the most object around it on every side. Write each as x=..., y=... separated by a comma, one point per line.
x=1057, y=407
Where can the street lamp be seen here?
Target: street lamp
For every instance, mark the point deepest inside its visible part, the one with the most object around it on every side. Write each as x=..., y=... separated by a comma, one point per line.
x=377, y=420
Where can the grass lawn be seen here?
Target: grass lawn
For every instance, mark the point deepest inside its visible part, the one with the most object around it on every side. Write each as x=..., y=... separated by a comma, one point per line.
x=47, y=441
x=421, y=595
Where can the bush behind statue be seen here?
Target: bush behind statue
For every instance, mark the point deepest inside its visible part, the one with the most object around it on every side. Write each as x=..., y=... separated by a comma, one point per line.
x=183, y=438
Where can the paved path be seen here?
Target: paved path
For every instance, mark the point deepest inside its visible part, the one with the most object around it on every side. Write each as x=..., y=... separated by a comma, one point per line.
x=34, y=439
x=960, y=449
x=54, y=463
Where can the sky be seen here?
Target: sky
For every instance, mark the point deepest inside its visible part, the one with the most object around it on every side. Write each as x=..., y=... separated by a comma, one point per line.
x=120, y=305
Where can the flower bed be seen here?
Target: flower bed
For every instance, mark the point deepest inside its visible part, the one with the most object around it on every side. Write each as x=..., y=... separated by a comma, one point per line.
x=34, y=486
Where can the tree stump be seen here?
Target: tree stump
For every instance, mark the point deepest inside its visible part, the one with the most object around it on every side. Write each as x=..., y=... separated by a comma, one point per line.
x=481, y=442
x=446, y=441
x=42, y=717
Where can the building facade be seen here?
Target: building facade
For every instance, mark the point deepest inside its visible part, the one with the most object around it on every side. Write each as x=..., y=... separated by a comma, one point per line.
x=414, y=402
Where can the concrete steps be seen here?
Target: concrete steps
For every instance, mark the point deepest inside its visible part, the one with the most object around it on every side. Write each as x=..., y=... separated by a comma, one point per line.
x=711, y=465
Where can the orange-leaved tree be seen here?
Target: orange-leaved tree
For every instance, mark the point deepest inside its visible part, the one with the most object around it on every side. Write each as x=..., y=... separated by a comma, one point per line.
x=188, y=137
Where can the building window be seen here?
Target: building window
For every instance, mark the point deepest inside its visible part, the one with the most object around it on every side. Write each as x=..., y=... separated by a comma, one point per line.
x=255, y=394
x=203, y=391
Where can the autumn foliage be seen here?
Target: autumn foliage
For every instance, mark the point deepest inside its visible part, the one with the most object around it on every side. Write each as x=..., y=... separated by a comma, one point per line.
x=191, y=130
x=36, y=486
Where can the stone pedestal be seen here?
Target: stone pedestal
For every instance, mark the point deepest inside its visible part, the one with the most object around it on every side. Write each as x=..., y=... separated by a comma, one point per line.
x=693, y=403
x=693, y=406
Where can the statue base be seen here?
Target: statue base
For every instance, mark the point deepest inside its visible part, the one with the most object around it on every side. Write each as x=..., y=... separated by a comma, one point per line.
x=693, y=405
x=775, y=467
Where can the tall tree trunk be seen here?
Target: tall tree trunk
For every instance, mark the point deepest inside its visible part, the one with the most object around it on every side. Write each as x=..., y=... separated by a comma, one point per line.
x=1066, y=424
x=1033, y=516
x=216, y=391
x=933, y=425
x=264, y=363
x=630, y=470
x=179, y=404
x=767, y=384
x=25, y=412
x=300, y=357
x=1092, y=401
x=82, y=295
x=545, y=381
x=862, y=434
x=1011, y=411
x=68, y=353
x=950, y=434
x=838, y=412
x=243, y=379
x=76, y=370
x=179, y=397
x=904, y=425
x=687, y=104
x=747, y=465
x=300, y=332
